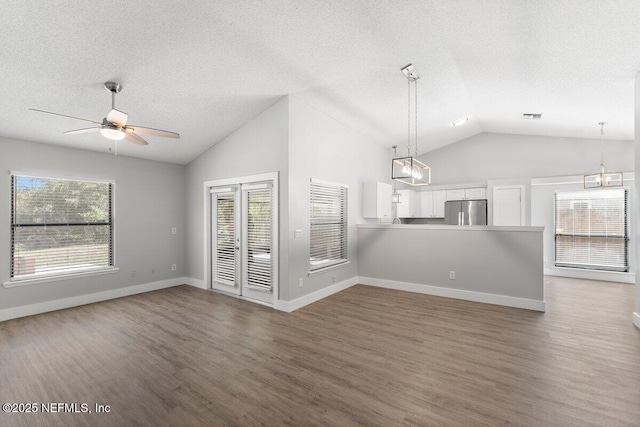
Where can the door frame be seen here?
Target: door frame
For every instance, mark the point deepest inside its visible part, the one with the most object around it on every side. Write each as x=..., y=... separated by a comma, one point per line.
x=249, y=179
x=523, y=216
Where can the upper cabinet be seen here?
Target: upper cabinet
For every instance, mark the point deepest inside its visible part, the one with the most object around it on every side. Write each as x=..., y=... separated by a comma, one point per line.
x=475, y=193
x=432, y=203
x=409, y=207
x=376, y=200
x=455, y=194
x=478, y=193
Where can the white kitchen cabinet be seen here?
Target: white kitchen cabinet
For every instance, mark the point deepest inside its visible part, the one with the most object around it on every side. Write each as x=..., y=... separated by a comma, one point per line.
x=432, y=203
x=410, y=205
x=439, y=197
x=376, y=200
x=426, y=204
x=477, y=193
x=455, y=194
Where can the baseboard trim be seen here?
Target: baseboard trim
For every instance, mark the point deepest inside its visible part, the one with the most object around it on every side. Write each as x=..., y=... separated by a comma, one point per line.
x=636, y=319
x=604, y=276
x=59, y=304
x=529, y=304
x=196, y=283
x=289, y=306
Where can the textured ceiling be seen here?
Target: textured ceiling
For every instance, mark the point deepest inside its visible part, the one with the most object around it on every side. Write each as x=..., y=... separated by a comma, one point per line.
x=203, y=68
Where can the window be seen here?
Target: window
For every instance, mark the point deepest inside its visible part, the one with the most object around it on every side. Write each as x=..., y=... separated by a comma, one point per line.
x=328, y=235
x=224, y=203
x=591, y=230
x=60, y=226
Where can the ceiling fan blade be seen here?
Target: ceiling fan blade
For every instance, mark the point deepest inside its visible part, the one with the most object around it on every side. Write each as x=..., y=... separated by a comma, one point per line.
x=85, y=130
x=64, y=115
x=154, y=132
x=132, y=137
x=117, y=117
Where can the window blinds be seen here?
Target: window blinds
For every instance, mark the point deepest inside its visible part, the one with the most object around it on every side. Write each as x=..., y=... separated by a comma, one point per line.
x=226, y=238
x=258, y=242
x=59, y=226
x=328, y=235
x=591, y=229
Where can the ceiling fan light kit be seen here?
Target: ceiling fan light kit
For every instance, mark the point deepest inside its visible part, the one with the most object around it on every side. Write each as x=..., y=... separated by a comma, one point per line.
x=112, y=132
x=410, y=170
x=114, y=126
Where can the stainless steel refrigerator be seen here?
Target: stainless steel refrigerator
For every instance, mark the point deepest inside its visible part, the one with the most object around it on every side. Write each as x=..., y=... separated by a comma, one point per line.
x=465, y=212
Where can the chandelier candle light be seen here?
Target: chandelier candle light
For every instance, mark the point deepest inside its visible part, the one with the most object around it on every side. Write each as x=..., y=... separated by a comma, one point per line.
x=410, y=170
x=603, y=177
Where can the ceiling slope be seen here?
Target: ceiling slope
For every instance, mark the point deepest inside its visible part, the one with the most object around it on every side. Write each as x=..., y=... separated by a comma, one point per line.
x=205, y=68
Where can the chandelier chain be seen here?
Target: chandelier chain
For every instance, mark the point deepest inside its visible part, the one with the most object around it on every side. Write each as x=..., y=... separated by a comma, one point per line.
x=408, y=118
x=416, y=113
x=602, y=143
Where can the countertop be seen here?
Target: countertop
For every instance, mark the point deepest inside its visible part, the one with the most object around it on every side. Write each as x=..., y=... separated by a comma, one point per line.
x=453, y=227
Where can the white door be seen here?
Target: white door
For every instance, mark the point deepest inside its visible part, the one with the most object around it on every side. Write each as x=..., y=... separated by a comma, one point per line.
x=257, y=242
x=225, y=239
x=242, y=240
x=508, y=205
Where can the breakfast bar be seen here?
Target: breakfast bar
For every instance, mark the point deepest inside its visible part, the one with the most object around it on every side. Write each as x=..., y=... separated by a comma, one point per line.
x=491, y=264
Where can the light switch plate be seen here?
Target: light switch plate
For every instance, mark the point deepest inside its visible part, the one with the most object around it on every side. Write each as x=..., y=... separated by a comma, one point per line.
x=297, y=234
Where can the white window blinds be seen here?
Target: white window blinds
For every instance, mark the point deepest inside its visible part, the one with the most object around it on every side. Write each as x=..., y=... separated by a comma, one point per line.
x=59, y=226
x=328, y=234
x=225, y=235
x=591, y=229
x=258, y=244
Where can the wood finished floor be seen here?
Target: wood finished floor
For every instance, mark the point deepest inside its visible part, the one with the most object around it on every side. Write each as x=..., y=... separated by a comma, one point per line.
x=366, y=356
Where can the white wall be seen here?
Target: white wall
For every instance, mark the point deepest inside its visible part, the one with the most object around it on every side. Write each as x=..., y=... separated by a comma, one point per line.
x=636, y=203
x=149, y=201
x=321, y=147
x=300, y=143
x=496, y=265
x=490, y=156
x=259, y=146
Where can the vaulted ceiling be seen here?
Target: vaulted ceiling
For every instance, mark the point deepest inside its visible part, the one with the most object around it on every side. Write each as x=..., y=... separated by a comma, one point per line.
x=203, y=68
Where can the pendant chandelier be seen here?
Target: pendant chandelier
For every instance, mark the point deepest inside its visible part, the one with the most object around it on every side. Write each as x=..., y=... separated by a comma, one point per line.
x=603, y=177
x=409, y=169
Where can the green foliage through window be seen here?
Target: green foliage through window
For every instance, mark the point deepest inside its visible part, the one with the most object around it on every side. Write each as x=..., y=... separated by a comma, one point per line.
x=60, y=226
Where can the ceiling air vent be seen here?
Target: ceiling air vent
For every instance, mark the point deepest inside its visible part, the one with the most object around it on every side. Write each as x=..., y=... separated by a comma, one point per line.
x=532, y=116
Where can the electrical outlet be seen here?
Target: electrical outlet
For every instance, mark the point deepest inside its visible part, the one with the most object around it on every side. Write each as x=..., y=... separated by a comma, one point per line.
x=452, y=275
x=300, y=282
x=173, y=267
x=133, y=273
x=174, y=230
x=333, y=279
x=153, y=271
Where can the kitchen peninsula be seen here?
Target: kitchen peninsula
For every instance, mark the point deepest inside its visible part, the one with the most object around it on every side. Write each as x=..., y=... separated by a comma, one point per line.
x=490, y=264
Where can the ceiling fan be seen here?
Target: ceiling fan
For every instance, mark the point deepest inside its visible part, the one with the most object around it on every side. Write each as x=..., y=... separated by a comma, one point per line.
x=114, y=126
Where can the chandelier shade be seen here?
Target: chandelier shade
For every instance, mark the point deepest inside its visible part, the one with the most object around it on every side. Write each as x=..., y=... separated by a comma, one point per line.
x=411, y=171
x=603, y=177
